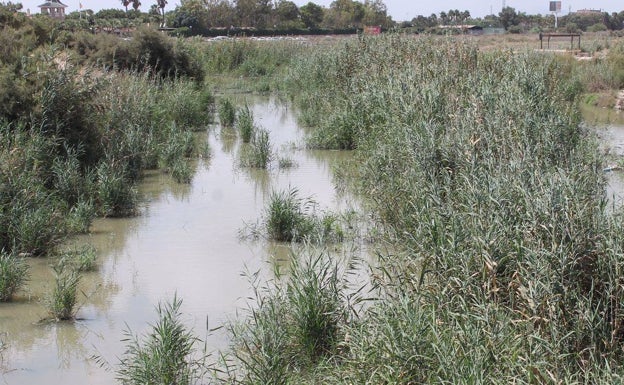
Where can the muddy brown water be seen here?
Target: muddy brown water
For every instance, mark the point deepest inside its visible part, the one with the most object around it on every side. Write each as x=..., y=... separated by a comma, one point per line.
x=185, y=242
x=609, y=125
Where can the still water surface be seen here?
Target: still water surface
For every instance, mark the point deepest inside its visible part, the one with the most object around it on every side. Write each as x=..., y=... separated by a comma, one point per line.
x=185, y=241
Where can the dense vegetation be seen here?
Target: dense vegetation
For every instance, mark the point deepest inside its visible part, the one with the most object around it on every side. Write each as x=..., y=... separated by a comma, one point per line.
x=78, y=125
x=475, y=165
x=479, y=170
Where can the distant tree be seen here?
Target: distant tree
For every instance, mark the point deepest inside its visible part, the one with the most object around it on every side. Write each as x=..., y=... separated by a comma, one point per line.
x=312, y=15
x=433, y=20
x=221, y=13
x=583, y=21
x=344, y=14
x=444, y=18
x=288, y=15
x=508, y=17
x=111, y=13
x=126, y=3
x=491, y=21
x=376, y=13
x=453, y=15
x=254, y=13
x=191, y=14
x=136, y=4
x=420, y=23
x=12, y=7
x=465, y=16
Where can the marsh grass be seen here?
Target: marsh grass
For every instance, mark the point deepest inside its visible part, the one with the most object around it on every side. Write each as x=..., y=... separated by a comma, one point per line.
x=259, y=153
x=182, y=171
x=227, y=112
x=167, y=354
x=478, y=168
x=13, y=275
x=81, y=216
x=288, y=217
x=286, y=162
x=117, y=196
x=245, y=124
x=62, y=302
x=82, y=259
x=294, y=322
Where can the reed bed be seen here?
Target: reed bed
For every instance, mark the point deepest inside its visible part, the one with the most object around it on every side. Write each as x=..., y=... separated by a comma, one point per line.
x=63, y=166
x=479, y=170
x=13, y=275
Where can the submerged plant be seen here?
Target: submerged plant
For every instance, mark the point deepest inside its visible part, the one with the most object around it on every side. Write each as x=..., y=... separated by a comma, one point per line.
x=13, y=275
x=165, y=355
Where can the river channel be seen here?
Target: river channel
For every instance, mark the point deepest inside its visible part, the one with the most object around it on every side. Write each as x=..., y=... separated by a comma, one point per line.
x=185, y=242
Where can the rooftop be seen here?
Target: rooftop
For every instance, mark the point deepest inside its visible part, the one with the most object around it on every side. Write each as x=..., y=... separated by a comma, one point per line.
x=52, y=4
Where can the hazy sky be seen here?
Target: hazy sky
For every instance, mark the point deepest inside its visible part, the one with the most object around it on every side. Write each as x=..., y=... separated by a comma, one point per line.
x=400, y=10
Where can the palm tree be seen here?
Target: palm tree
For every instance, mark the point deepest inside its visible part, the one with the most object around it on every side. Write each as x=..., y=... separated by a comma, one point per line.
x=444, y=18
x=161, y=6
x=136, y=4
x=126, y=3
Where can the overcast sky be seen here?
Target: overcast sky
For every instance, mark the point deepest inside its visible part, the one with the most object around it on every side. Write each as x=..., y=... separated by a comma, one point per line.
x=400, y=10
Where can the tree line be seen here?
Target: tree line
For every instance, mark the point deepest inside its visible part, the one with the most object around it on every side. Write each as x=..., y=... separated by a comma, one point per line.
x=280, y=15
x=517, y=22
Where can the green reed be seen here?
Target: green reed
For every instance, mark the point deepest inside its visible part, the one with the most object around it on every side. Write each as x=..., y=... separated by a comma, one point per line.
x=478, y=168
x=13, y=275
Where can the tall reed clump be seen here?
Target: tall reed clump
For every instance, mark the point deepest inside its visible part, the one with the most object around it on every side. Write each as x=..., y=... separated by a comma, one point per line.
x=13, y=275
x=227, y=113
x=62, y=302
x=245, y=124
x=259, y=153
x=480, y=171
x=167, y=354
x=289, y=217
x=294, y=323
x=248, y=58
